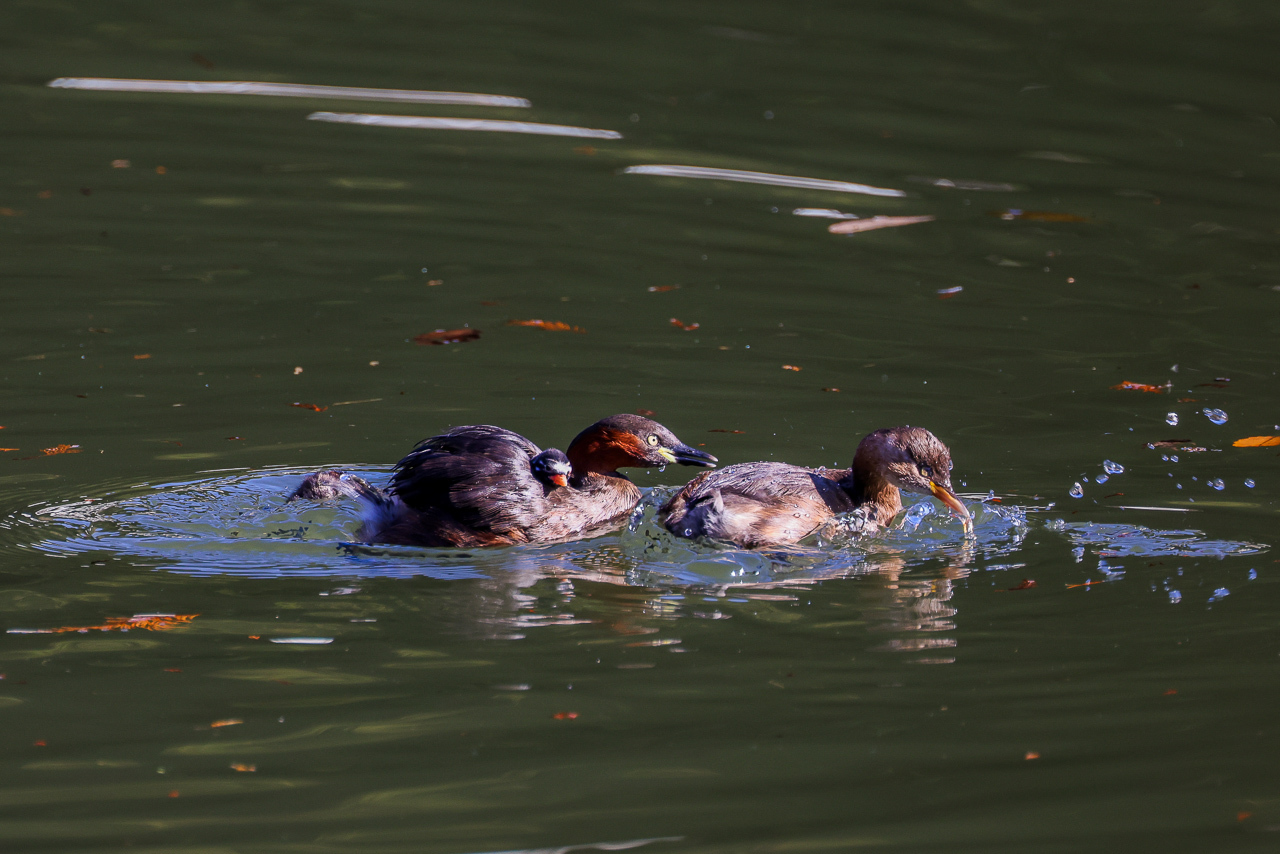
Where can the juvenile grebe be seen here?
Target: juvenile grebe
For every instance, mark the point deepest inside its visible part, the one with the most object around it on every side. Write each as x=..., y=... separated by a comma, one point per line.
x=771, y=504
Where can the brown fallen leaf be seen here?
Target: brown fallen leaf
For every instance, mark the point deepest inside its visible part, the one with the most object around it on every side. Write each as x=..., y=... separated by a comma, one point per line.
x=1126, y=385
x=647, y=413
x=1114, y=495
x=435, y=283
x=661, y=289
x=565, y=716
x=160, y=170
x=1026, y=584
x=225, y=722
x=120, y=164
x=241, y=766
x=310, y=406
x=549, y=325
x=687, y=327
x=831, y=389
x=1188, y=400
x=10, y=449
x=855, y=226
x=1031, y=754
x=147, y=622
x=60, y=449
x=447, y=336
x=792, y=368
x=1256, y=442
x=142, y=356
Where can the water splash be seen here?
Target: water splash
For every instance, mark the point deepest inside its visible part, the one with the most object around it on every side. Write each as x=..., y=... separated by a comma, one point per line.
x=1175, y=596
x=1218, y=484
x=1249, y=483
x=1076, y=490
x=1112, y=467
x=1217, y=416
x=1220, y=594
x=1171, y=419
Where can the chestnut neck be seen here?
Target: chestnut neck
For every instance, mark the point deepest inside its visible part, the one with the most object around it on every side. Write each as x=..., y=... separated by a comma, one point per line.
x=601, y=452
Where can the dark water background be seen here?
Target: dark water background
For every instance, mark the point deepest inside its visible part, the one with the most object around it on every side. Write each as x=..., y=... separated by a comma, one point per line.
x=885, y=695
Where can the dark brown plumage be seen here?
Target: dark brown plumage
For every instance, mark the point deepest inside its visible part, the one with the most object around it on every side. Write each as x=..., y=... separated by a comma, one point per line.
x=486, y=486
x=771, y=504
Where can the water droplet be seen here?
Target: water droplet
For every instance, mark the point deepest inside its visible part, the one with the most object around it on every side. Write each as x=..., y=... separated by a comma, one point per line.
x=1179, y=486
x=1173, y=458
x=1164, y=457
x=1102, y=478
x=1077, y=491
x=1217, y=416
x=662, y=468
x=1112, y=468
x=1171, y=419
x=1253, y=574
x=1078, y=554
x=1248, y=481
x=1217, y=484
x=1175, y=596
x=1220, y=593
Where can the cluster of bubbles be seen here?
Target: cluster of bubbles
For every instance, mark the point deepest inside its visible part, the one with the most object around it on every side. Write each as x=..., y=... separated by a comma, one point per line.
x=1109, y=468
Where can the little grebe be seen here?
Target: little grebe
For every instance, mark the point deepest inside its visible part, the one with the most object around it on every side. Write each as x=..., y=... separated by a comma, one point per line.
x=486, y=486
x=772, y=504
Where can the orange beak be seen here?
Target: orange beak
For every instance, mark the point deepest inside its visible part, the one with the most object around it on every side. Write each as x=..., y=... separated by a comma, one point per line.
x=560, y=479
x=948, y=498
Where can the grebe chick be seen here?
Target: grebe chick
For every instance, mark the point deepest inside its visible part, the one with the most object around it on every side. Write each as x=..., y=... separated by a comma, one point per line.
x=773, y=504
x=552, y=468
x=486, y=486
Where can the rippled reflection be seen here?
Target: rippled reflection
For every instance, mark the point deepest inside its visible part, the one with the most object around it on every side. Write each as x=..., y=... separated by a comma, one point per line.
x=286, y=90
x=439, y=123
x=746, y=177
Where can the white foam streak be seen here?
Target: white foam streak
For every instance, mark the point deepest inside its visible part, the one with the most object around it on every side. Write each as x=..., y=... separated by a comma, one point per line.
x=439, y=123
x=286, y=90
x=745, y=177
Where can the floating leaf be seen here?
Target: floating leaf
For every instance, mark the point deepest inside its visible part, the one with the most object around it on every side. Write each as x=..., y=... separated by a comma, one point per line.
x=855, y=226
x=447, y=336
x=435, y=283
x=791, y=368
x=549, y=325
x=687, y=327
x=142, y=356
x=1256, y=442
x=661, y=289
x=1126, y=385
x=310, y=406
x=225, y=722
x=148, y=622
x=240, y=766
x=60, y=449
x=1026, y=584
x=1031, y=754
x=565, y=716
x=830, y=389
x=647, y=413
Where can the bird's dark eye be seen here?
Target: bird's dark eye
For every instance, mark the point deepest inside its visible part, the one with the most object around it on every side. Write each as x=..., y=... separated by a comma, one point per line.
x=653, y=440
x=926, y=470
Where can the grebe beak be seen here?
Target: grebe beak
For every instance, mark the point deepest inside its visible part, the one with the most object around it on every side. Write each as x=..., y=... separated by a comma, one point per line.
x=686, y=456
x=948, y=498
x=559, y=479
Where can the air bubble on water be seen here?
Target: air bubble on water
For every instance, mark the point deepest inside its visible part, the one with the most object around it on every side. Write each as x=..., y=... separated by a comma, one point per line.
x=1218, y=484
x=1078, y=554
x=1077, y=491
x=1171, y=419
x=1253, y=574
x=1217, y=416
x=1248, y=481
x=1220, y=593
x=1175, y=596
x=1112, y=468
x=1102, y=478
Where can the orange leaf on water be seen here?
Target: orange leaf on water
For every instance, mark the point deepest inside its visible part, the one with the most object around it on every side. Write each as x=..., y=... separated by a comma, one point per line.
x=659, y=289
x=142, y=356
x=565, y=716
x=173, y=793
x=1026, y=584
x=854, y=226
x=1126, y=385
x=1085, y=584
x=447, y=336
x=1171, y=692
x=149, y=622
x=549, y=325
x=1256, y=442
x=40, y=743
x=310, y=406
x=225, y=722
x=831, y=389
x=1242, y=815
x=240, y=766
x=60, y=449
x=10, y=449
x=791, y=368
x=1031, y=754
x=687, y=327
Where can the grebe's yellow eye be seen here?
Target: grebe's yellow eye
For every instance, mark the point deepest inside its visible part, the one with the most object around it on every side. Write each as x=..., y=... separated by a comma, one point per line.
x=653, y=440
x=926, y=471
